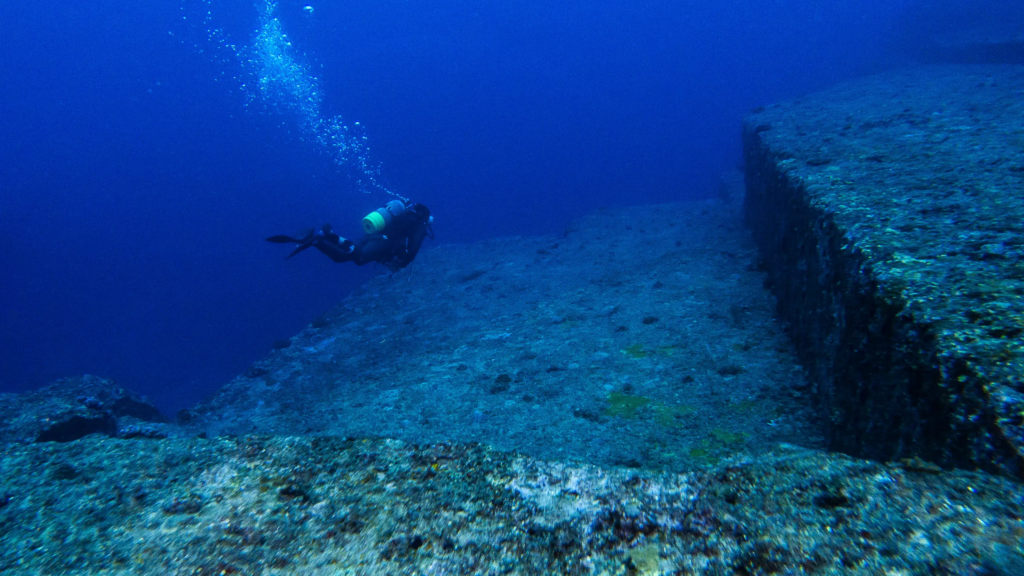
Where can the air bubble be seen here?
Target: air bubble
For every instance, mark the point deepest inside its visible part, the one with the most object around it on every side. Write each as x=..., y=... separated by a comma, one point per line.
x=283, y=84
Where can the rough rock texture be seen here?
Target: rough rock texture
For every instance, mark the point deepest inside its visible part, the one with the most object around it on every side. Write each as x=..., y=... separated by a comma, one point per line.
x=330, y=506
x=643, y=338
x=890, y=214
x=71, y=408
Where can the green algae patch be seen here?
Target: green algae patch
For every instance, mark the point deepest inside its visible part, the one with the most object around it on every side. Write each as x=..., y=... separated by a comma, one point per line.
x=635, y=351
x=646, y=559
x=745, y=406
x=627, y=406
x=729, y=438
x=671, y=414
x=717, y=445
x=702, y=453
x=624, y=405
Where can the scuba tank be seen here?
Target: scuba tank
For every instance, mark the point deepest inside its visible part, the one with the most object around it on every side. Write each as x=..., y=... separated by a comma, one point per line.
x=377, y=221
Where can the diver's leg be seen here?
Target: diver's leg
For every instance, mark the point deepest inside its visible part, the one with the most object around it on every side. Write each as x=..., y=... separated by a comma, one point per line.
x=340, y=250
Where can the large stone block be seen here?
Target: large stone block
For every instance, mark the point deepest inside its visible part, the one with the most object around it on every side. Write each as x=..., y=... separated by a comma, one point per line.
x=890, y=213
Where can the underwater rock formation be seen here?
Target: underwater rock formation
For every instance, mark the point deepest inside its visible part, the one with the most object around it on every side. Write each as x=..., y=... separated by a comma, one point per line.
x=641, y=405
x=71, y=408
x=688, y=411
x=890, y=216
x=307, y=505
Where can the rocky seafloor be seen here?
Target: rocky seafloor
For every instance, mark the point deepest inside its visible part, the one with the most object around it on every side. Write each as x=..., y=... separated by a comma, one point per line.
x=641, y=338
x=619, y=400
x=327, y=506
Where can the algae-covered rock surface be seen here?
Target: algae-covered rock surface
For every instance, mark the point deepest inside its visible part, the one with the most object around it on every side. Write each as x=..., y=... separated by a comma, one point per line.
x=323, y=505
x=642, y=338
x=890, y=212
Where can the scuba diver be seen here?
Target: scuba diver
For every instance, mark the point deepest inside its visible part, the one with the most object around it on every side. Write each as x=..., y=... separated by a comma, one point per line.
x=394, y=234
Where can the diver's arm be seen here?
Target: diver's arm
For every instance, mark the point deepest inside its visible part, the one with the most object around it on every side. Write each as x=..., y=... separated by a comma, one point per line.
x=412, y=246
x=416, y=240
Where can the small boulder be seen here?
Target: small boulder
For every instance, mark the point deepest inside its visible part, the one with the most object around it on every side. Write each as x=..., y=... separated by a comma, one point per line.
x=71, y=408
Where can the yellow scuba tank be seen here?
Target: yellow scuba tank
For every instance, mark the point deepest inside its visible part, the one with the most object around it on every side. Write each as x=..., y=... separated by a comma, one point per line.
x=377, y=221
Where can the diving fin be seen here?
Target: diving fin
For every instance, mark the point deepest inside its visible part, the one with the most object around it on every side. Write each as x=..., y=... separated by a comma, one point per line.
x=307, y=236
x=300, y=248
x=308, y=240
x=325, y=239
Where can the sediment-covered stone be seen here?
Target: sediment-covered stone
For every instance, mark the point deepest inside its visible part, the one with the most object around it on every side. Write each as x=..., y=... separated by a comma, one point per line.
x=890, y=214
x=319, y=506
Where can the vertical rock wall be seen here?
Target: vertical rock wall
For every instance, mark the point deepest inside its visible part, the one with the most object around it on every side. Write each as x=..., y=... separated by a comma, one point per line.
x=895, y=258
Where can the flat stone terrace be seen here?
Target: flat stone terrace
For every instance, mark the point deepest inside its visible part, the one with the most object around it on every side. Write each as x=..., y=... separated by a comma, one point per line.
x=890, y=211
x=642, y=338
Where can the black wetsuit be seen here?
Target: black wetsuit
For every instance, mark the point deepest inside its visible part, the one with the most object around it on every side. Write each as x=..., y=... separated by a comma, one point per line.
x=395, y=247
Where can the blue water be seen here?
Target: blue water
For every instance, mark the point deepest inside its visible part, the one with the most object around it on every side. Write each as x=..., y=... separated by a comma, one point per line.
x=149, y=147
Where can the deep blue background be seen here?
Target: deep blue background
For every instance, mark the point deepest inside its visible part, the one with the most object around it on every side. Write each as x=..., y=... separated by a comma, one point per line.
x=136, y=187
